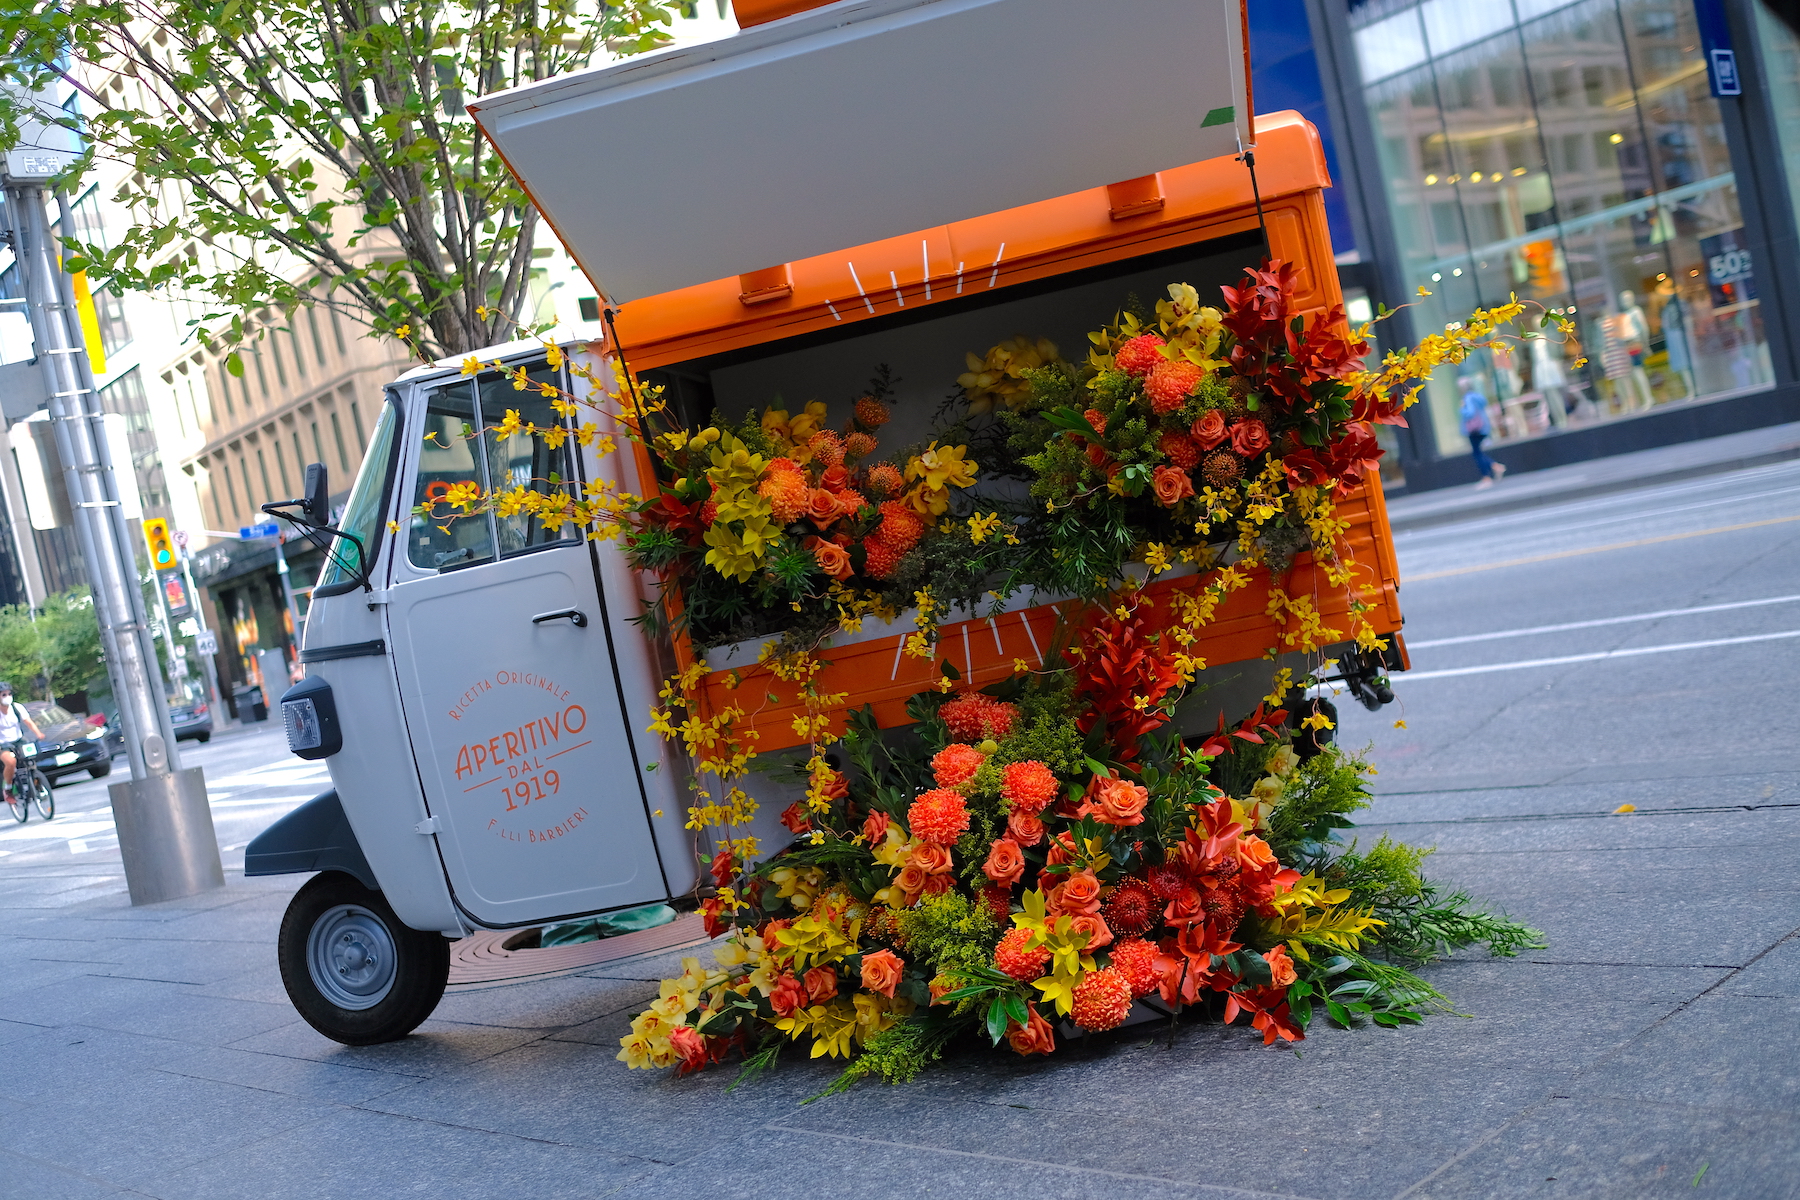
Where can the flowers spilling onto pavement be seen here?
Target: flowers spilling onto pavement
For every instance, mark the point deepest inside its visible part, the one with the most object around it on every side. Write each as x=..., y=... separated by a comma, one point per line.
x=1048, y=858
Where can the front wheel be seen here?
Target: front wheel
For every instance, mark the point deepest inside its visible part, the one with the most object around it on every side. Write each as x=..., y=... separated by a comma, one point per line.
x=42, y=798
x=353, y=970
x=16, y=801
x=100, y=772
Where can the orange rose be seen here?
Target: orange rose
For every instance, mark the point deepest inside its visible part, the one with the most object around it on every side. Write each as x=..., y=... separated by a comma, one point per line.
x=1209, y=430
x=788, y=996
x=1249, y=437
x=1171, y=485
x=1281, y=967
x=1099, y=935
x=1116, y=802
x=1253, y=852
x=686, y=1041
x=1079, y=893
x=936, y=885
x=930, y=858
x=911, y=879
x=795, y=818
x=881, y=972
x=821, y=984
x=832, y=558
x=835, y=479
x=1026, y=829
x=1062, y=850
x=939, y=987
x=1033, y=1037
x=822, y=507
x=1005, y=863
x=875, y=827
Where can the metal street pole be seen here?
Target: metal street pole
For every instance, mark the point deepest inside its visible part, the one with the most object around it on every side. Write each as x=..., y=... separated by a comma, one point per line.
x=164, y=823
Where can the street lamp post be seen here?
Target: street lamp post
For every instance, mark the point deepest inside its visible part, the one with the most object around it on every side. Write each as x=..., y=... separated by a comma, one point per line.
x=164, y=824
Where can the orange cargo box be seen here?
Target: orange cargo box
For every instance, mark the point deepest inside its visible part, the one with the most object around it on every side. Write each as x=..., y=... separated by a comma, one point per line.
x=1071, y=260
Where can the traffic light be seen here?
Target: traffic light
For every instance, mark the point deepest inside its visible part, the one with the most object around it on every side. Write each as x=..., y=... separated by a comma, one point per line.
x=162, y=549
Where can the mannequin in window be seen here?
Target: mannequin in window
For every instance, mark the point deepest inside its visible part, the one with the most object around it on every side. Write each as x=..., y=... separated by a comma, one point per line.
x=1547, y=377
x=1673, y=318
x=1634, y=329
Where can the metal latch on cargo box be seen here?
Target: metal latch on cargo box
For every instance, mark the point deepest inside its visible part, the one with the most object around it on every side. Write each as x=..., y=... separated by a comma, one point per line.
x=428, y=825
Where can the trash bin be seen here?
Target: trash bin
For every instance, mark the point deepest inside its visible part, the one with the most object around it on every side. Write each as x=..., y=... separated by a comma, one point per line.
x=250, y=703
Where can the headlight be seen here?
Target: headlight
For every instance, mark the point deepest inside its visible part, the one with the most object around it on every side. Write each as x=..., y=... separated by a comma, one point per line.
x=96, y=735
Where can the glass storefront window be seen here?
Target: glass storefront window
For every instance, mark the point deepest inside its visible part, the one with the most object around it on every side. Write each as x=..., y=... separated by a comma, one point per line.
x=1569, y=153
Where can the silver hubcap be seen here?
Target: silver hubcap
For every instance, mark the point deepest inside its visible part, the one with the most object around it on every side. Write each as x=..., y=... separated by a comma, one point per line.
x=351, y=957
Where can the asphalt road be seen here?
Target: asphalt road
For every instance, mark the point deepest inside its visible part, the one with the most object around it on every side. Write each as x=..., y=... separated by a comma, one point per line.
x=1636, y=649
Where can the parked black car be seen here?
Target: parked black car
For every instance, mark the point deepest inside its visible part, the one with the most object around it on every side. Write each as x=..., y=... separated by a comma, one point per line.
x=192, y=719
x=70, y=743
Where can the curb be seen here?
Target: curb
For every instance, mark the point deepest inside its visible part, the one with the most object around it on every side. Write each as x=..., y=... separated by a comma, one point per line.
x=1401, y=523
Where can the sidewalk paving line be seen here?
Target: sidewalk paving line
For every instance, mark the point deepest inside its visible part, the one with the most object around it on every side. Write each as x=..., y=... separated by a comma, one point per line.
x=1537, y=558
x=1415, y=676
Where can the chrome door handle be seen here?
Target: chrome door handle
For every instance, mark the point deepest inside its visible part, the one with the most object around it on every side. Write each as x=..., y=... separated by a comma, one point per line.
x=575, y=615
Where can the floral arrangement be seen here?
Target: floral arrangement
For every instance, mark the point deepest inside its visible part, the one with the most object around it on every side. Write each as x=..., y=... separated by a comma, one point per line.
x=1046, y=859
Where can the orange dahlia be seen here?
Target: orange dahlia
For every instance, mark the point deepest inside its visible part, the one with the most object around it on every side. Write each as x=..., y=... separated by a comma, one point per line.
x=1101, y=1000
x=1012, y=958
x=938, y=816
x=787, y=493
x=1135, y=959
x=1180, y=449
x=974, y=716
x=881, y=559
x=1169, y=384
x=900, y=526
x=1140, y=355
x=1028, y=786
x=956, y=764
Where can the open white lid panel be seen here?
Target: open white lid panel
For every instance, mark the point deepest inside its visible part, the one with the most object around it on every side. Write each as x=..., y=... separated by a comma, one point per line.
x=862, y=120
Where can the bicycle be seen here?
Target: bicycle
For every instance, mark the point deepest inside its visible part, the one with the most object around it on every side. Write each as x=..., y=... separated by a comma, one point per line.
x=30, y=787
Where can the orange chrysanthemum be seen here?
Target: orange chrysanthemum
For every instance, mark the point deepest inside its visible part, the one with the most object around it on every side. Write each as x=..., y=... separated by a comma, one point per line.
x=938, y=816
x=880, y=559
x=787, y=493
x=1169, y=384
x=900, y=526
x=1102, y=999
x=1140, y=355
x=1028, y=786
x=1013, y=959
x=956, y=764
x=1097, y=419
x=1135, y=959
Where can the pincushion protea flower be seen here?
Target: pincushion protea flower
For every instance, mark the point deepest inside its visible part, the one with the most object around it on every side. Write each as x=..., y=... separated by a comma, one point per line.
x=1102, y=1000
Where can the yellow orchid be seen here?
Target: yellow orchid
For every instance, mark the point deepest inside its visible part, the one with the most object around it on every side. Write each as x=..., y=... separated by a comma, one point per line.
x=943, y=466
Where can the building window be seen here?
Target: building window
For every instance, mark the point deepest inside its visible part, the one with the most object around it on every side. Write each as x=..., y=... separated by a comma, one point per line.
x=281, y=466
x=299, y=455
x=218, y=511
x=275, y=353
x=318, y=445
x=362, y=442
x=337, y=432
x=262, y=378
x=244, y=385
x=294, y=345
x=262, y=468
x=337, y=331
x=312, y=323
x=230, y=487
x=225, y=389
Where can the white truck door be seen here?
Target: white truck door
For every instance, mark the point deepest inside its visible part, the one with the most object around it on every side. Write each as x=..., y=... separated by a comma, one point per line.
x=506, y=676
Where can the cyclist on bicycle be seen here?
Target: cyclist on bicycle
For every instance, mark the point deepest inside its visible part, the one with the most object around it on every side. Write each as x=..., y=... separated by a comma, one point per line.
x=11, y=717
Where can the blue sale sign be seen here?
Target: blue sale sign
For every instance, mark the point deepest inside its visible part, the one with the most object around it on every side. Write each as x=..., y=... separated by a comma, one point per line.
x=1729, y=274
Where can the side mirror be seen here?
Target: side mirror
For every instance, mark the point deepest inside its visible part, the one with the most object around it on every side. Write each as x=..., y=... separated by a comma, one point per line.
x=317, y=502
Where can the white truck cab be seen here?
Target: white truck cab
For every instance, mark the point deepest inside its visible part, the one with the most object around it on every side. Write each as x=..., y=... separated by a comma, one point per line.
x=479, y=695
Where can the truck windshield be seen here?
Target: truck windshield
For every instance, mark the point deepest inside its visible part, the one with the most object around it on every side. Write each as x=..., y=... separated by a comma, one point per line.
x=362, y=512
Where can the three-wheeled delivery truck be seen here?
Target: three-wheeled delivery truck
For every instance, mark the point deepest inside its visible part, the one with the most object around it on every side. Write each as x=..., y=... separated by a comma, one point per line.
x=867, y=182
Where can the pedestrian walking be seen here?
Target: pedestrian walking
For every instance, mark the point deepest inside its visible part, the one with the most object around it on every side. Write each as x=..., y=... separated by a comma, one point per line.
x=1479, y=428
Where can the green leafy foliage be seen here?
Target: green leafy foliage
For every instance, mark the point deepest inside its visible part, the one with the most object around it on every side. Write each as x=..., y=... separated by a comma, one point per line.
x=316, y=149
x=61, y=641
x=1317, y=801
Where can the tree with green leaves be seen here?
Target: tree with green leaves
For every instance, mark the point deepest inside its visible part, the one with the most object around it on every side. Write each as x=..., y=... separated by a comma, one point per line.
x=61, y=640
x=322, y=149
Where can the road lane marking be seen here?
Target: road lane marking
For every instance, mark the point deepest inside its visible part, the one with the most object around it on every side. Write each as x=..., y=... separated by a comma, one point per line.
x=1414, y=676
x=1650, y=616
x=1538, y=558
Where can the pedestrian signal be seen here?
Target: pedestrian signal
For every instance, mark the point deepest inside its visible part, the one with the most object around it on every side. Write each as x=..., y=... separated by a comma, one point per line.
x=162, y=547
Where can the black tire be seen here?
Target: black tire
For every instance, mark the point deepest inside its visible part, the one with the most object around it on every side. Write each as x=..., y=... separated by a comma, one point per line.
x=20, y=806
x=334, y=921
x=101, y=771
x=203, y=737
x=42, y=798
